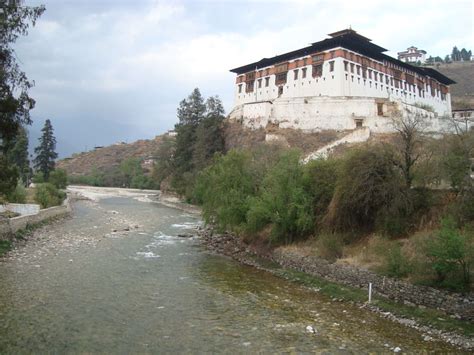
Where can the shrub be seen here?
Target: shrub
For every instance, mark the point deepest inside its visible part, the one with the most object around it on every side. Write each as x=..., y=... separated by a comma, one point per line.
x=18, y=195
x=47, y=195
x=282, y=201
x=58, y=177
x=369, y=187
x=224, y=189
x=395, y=263
x=451, y=253
x=330, y=246
x=320, y=178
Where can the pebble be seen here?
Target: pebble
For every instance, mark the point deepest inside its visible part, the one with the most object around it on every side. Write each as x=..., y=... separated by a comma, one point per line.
x=310, y=329
x=397, y=350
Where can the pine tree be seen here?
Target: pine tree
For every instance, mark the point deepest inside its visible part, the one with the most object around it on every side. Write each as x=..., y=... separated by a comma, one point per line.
x=45, y=152
x=455, y=55
x=191, y=110
x=18, y=155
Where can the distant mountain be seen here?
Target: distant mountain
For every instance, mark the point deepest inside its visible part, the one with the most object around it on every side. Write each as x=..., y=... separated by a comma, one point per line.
x=106, y=159
x=462, y=93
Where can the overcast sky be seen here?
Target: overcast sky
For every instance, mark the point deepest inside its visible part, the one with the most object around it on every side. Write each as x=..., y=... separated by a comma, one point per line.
x=108, y=71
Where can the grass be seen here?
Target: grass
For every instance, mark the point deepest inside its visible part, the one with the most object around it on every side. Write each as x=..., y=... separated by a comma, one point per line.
x=5, y=246
x=423, y=316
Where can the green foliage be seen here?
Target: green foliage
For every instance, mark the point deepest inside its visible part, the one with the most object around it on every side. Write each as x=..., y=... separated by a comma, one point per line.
x=45, y=152
x=58, y=177
x=395, y=262
x=283, y=202
x=15, y=103
x=451, y=252
x=320, y=178
x=8, y=177
x=47, y=195
x=198, y=137
x=131, y=169
x=164, y=166
x=18, y=155
x=369, y=186
x=18, y=195
x=224, y=188
x=455, y=159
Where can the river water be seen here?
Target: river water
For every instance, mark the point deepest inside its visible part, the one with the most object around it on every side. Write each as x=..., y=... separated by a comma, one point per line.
x=77, y=286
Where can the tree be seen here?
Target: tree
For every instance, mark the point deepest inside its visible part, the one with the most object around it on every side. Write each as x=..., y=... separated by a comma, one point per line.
x=163, y=166
x=456, y=54
x=45, y=152
x=447, y=59
x=209, y=134
x=191, y=110
x=410, y=132
x=15, y=102
x=18, y=155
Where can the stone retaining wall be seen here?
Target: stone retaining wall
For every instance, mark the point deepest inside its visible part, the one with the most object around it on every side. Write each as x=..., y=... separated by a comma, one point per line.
x=10, y=226
x=461, y=306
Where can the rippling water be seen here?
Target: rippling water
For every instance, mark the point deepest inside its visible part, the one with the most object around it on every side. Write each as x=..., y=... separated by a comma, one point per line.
x=79, y=287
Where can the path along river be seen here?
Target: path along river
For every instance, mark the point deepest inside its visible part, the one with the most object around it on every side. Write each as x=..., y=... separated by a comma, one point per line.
x=77, y=286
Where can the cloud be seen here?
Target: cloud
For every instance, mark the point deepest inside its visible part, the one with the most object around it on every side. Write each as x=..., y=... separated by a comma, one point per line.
x=131, y=62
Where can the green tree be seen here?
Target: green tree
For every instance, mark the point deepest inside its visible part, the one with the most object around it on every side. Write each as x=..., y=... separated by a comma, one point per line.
x=209, y=134
x=455, y=54
x=452, y=254
x=15, y=102
x=130, y=168
x=8, y=177
x=18, y=155
x=163, y=166
x=283, y=202
x=45, y=152
x=58, y=177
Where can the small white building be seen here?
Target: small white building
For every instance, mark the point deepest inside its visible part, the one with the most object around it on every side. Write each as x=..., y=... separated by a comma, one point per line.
x=343, y=82
x=412, y=55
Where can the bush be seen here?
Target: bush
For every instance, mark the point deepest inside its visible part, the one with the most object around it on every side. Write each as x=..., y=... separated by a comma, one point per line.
x=18, y=195
x=369, y=188
x=283, y=202
x=452, y=254
x=330, y=246
x=320, y=178
x=58, y=177
x=47, y=195
x=224, y=189
x=395, y=262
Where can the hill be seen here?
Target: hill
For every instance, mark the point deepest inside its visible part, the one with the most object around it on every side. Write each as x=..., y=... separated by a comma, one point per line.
x=462, y=93
x=106, y=159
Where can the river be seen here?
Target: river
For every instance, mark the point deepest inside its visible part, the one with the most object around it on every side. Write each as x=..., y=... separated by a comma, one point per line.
x=116, y=278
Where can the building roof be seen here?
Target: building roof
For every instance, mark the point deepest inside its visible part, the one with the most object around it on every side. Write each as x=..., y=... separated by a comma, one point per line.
x=348, y=39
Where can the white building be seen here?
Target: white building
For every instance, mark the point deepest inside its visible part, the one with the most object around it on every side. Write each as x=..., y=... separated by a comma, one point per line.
x=412, y=55
x=343, y=82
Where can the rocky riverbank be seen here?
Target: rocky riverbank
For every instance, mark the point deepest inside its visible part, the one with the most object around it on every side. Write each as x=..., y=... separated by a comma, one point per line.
x=407, y=295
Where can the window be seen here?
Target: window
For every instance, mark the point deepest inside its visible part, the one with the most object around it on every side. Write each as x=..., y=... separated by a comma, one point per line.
x=358, y=70
x=249, y=86
x=267, y=82
x=295, y=72
x=380, y=109
x=280, y=78
x=280, y=68
x=318, y=58
x=303, y=73
x=331, y=66
x=317, y=70
x=259, y=83
x=240, y=88
x=370, y=74
x=346, y=65
x=280, y=90
x=358, y=123
x=381, y=77
x=352, y=67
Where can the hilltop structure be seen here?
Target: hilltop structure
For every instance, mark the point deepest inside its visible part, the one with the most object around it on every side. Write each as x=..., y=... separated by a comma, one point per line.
x=412, y=55
x=340, y=83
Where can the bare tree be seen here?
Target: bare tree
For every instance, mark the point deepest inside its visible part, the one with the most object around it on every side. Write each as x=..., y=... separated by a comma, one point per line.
x=411, y=131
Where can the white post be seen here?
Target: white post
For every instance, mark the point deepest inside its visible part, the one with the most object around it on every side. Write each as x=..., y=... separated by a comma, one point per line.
x=370, y=292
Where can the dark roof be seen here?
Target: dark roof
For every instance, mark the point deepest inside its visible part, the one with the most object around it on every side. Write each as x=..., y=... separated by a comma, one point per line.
x=348, y=39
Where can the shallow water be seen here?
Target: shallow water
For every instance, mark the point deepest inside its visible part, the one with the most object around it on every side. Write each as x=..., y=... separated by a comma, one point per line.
x=79, y=287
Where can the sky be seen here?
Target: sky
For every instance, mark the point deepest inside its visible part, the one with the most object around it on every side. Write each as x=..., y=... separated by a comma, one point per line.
x=115, y=70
